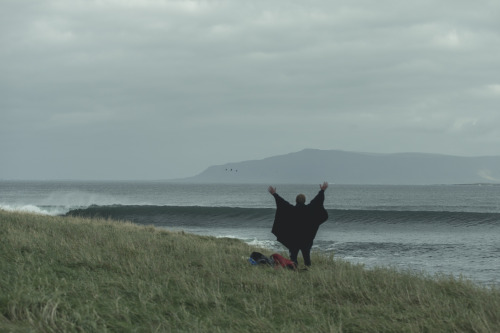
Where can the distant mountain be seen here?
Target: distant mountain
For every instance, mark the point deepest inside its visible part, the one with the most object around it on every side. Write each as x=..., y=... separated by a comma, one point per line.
x=341, y=167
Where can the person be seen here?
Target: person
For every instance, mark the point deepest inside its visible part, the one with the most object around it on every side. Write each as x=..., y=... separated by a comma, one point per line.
x=296, y=226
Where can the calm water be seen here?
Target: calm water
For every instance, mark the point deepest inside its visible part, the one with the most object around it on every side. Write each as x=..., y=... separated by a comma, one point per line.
x=437, y=229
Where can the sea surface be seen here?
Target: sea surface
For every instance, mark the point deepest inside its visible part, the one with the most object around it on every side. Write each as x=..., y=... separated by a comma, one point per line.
x=448, y=229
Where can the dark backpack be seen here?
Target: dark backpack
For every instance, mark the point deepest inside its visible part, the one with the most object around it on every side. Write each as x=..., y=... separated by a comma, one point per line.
x=259, y=258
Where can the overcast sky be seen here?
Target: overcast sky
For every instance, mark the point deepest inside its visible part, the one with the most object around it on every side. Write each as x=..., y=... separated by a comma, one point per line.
x=156, y=89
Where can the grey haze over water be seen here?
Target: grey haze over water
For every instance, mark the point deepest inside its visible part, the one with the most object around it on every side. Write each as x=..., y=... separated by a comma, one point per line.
x=161, y=89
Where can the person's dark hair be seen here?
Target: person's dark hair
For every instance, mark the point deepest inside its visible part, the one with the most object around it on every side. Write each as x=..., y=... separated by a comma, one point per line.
x=300, y=199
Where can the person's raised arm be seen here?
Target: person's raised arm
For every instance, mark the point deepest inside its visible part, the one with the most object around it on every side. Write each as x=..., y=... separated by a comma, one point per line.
x=320, y=197
x=320, y=214
x=272, y=190
x=279, y=200
x=323, y=186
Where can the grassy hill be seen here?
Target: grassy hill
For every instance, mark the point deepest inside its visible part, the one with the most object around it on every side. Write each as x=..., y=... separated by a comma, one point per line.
x=63, y=274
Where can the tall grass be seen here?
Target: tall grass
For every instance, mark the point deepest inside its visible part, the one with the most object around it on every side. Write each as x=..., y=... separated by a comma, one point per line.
x=86, y=275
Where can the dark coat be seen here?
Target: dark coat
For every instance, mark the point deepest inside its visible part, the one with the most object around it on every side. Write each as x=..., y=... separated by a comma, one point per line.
x=296, y=226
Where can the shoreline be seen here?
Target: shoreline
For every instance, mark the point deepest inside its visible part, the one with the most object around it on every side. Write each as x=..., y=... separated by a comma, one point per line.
x=262, y=239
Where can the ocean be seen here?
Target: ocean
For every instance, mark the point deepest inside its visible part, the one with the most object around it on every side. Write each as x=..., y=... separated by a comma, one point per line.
x=439, y=229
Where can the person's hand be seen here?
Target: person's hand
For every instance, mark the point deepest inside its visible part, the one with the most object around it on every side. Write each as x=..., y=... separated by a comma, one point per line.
x=323, y=186
x=272, y=190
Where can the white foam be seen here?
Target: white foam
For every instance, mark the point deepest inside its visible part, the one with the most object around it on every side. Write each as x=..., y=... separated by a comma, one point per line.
x=31, y=209
x=264, y=243
x=267, y=244
x=61, y=202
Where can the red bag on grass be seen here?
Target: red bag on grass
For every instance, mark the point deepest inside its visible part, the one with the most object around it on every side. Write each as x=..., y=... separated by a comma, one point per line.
x=280, y=261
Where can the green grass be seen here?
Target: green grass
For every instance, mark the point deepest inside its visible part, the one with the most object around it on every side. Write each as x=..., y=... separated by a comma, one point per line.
x=64, y=274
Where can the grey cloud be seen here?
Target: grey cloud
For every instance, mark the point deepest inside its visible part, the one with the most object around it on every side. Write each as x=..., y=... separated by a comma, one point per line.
x=176, y=78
